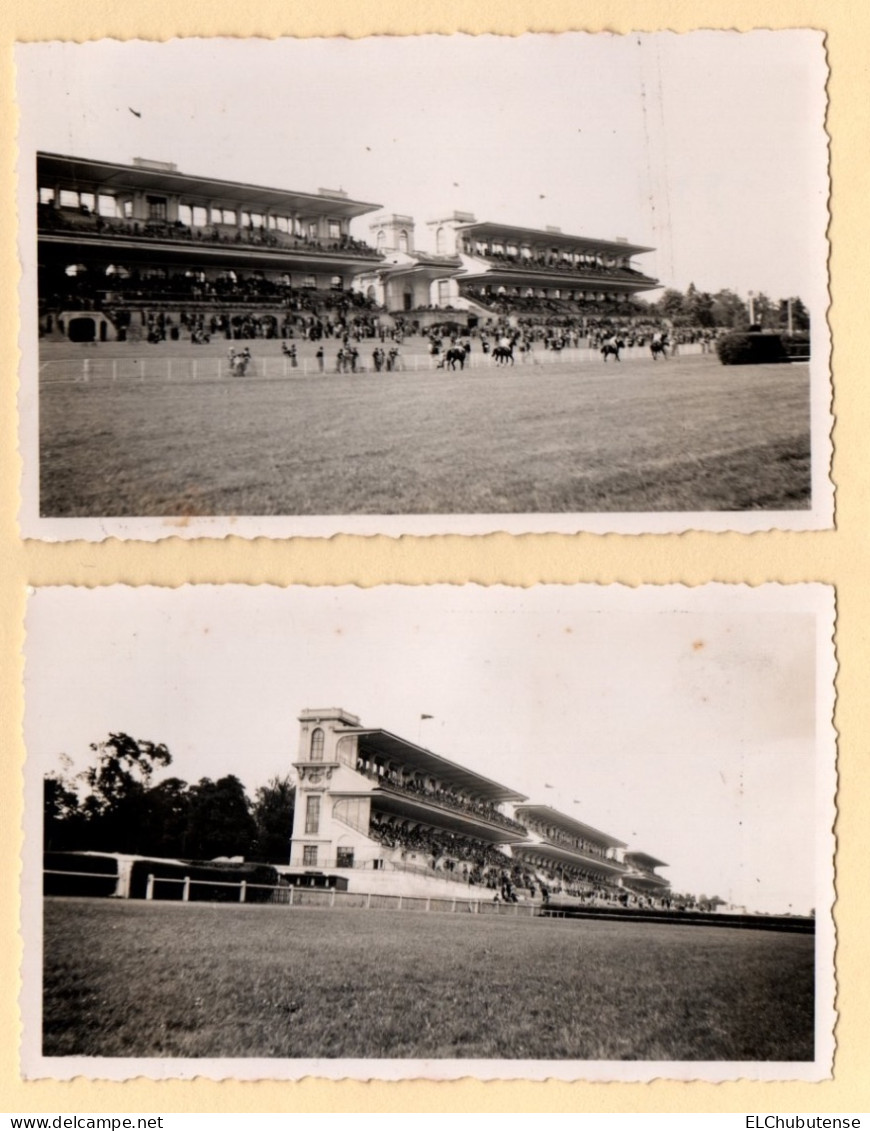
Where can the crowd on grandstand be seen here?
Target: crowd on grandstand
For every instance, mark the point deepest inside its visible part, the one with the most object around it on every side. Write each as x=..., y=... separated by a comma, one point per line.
x=439, y=794
x=85, y=221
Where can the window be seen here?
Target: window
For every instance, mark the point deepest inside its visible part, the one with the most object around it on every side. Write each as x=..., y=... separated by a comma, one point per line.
x=403, y=240
x=309, y=281
x=382, y=239
x=282, y=223
x=334, y=229
x=106, y=206
x=312, y=230
x=156, y=207
x=440, y=242
x=312, y=814
x=185, y=215
x=344, y=857
x=68, y=198
x=317, y=739
x=128, y=209
x=46, y=196
x=200, y=216
x=309, y=854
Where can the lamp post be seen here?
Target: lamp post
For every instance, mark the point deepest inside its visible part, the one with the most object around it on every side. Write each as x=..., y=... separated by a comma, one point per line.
x=752, y=308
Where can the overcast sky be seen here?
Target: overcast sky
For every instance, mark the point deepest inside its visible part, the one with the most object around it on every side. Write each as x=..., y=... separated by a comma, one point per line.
x=707, y=146
x=683, y=722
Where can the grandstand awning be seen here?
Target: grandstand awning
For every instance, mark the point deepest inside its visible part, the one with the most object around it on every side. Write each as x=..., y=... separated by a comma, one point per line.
x=547, y=815
x=486, y=230
x=499, y=275
x=104, y=176
x=199, y=256
x=645, y=883
x=408, y=754
x=561, y=856
x=644, y=860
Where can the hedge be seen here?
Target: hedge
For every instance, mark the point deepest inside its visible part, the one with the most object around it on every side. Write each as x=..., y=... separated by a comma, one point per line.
x=103, y=882
x=750, y=349
x=203, y=892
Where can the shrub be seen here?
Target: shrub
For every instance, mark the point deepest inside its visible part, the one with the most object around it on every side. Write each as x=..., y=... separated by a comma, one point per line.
x=798, y=345
x=103, y=882
x=203, y=892
x=750, y=349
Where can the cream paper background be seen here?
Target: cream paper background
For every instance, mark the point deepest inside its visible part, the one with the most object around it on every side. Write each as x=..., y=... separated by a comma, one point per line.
x=839, y=556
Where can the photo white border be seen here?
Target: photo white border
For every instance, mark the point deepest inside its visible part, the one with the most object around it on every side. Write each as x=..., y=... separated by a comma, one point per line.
x=805, y=598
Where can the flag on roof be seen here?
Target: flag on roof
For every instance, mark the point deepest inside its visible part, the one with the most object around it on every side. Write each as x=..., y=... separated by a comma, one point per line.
x=427, y=716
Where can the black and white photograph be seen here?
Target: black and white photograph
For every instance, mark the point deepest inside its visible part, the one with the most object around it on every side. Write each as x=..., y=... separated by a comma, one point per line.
x=424, y=284
x=572, y=832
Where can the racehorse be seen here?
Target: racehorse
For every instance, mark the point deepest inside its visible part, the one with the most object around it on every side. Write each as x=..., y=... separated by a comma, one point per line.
x=239, y=363
x=658, y=346
x=452, y=356
x=503, y=355
x=611, y=348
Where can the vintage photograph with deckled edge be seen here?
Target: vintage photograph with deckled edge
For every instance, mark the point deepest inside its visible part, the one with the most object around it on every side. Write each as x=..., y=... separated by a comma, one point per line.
x=590, y=298
x=571, y=832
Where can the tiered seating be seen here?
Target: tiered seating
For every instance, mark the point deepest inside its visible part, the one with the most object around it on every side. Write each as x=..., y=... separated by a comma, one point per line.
x=75, y=220
x=450, y=799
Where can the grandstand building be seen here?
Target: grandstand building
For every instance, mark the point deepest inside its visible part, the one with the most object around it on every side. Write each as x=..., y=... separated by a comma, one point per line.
x=379, y=810
x=145, y=251
x=489, y=268
x=120, y=246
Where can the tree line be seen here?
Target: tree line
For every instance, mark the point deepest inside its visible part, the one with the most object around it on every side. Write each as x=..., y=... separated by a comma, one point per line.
x=112, y=806
x=726, y=309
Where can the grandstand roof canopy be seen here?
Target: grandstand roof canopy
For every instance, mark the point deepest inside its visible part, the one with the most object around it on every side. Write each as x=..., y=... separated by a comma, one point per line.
x=644, y=860
x=546, y=814
x=559, y=855
x=105, y=176
x=416, y=757
x=486, y=230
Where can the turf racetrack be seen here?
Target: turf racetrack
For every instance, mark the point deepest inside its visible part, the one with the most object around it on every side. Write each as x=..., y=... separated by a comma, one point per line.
x=185, y=980
x=684, y=435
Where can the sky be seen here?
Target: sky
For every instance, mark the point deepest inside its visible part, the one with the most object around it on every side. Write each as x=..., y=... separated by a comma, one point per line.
x=685, y=722
x=707, y=146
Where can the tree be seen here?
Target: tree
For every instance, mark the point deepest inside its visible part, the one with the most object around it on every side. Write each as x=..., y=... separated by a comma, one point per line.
x=273, y=815
x=698, y=306
x=62, y=818
x=765, y=314
x=220, y=821
x=168, y=814
x=116, y=810
x=729, y=310
x=671, y=304
x=800, y=317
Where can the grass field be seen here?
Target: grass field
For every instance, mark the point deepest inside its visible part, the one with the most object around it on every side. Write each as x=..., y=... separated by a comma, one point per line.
x=138, y=979
x=683, y=435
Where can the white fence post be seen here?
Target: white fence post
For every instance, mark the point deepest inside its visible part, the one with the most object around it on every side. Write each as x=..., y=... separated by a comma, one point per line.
x=185, y=893
x=332, y=898
x=243, y=887
x=368, y=899
x=290, y=900
x=149, y=887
